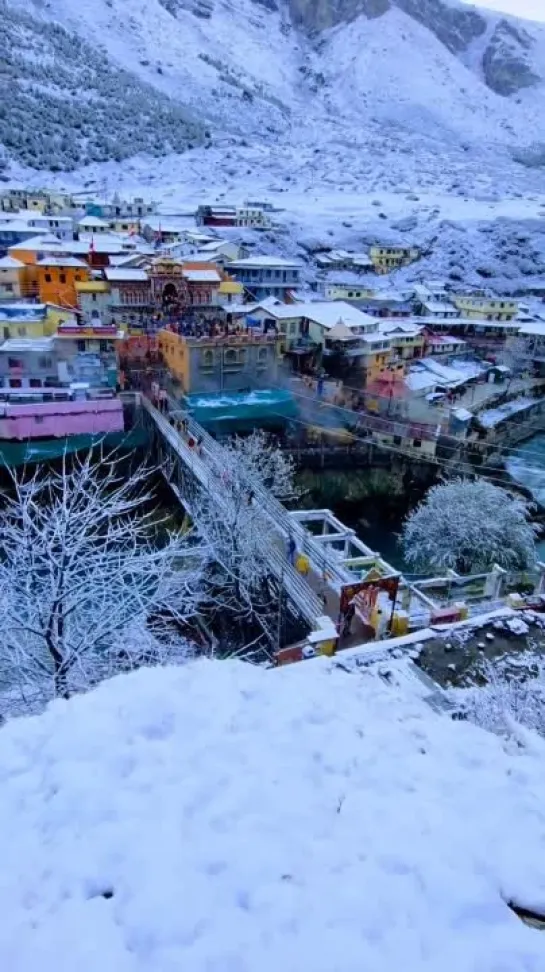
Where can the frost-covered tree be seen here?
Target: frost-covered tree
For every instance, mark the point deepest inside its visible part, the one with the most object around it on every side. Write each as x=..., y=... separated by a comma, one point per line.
x=88, y=586
x=468, y=526
x=507, y=700
x=237, y=532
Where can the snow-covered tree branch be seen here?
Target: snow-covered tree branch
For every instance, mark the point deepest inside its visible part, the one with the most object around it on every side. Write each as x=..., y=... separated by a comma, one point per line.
x=469, y=526
x=238, y=534
x=87, y=587
x=508, y=700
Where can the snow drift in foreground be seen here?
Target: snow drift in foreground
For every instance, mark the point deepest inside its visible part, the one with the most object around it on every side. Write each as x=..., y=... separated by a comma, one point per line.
x=219, y=817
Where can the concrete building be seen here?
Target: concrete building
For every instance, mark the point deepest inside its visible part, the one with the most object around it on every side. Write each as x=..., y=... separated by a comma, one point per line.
x=233, y=362
x=11, y=278
x=266, y=276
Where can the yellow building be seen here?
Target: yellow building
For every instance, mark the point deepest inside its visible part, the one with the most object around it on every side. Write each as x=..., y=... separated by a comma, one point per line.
x=22, y=320
x=388, y=258
x=218, y=362
x=11, y=278
x=477, y=307
x=230, y=292
x=125, y=224
x=407, y=340
x=341, y=291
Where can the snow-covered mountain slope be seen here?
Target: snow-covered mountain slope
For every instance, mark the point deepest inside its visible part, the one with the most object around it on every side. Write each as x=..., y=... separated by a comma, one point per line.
x=220, y=817
x=398, y=71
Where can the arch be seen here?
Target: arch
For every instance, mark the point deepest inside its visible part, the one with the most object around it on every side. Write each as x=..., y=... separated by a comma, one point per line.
x=170, y=294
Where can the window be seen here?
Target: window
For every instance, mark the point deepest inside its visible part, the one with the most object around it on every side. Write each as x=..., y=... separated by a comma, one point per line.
x=62, y=277
x=21, y=331
x=293, y=328
x=81, y=345
x=397, y=440
x=35, y=383
x=9, y=288
x=44, y=362
x=350, y=293
x=94, y=298
x=103, y=346
x=48, y=278
x=15, y=363
x=417, y=443
x=262, y=354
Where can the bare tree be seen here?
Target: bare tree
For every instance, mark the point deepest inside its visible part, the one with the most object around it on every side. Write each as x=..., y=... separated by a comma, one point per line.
x=238, y=533
x=509, y=701
x=87, y=586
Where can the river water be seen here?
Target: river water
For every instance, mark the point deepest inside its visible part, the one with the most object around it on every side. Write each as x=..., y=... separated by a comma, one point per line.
x=527, y=465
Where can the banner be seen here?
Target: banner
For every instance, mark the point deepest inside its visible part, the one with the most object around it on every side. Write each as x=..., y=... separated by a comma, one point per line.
x=368, y=591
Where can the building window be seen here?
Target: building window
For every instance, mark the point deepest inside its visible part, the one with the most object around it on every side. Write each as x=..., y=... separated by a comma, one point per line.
x=35, y=383
x=397, y=440
x=103, y=346
x=15, y=363
x=417, y=443
x=94, y=298
x=81, y=345
x=21, y=331
x=48, y=278
x=62, y=277
x=44, y=362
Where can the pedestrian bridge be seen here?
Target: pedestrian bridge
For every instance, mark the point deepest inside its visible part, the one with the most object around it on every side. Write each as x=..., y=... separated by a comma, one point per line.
x=340, y=565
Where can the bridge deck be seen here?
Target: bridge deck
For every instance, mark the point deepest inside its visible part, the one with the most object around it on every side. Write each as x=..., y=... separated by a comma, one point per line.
x=204, y=465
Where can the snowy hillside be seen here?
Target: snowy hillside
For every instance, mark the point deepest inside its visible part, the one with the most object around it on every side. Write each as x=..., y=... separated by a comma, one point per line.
x=249, y=70
x=219, y=817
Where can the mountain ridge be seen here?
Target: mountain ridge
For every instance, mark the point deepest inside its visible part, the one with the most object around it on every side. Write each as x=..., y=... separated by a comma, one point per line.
x=261, y=70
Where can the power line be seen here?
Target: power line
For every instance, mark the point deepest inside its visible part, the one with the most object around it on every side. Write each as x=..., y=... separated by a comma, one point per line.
x=388, y=427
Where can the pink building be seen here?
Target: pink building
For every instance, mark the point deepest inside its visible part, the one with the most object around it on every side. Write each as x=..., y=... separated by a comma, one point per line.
x=56, y=419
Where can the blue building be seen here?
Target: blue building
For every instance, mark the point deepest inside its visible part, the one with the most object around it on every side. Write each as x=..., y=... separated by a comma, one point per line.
x=266, y=276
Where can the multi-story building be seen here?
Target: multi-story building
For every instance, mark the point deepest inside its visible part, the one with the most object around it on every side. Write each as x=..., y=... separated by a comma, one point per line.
x=481, y=307
x=216, y=216
x=407, y=339
x=73, y=355
x=253, y=217
x=22, y=320
x=94, y=301
x=386, y=258
x=266, y=276
x=232, y=362
x=11, y=278
x=57, y=279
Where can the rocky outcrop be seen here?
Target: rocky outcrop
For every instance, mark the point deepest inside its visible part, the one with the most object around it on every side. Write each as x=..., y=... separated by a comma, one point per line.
x=454, y=26
x=505, y=61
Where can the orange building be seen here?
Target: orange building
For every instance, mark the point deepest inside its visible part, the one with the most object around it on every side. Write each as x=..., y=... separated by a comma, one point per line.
x=29, y=253
x=57, y=279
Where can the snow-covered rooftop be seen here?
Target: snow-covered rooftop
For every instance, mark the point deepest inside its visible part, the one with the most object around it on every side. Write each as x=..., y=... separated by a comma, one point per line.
x=119, y=274
x=264, y=261
x=202, y=276
x=535, y=329
x=8, y=263
x=491, y=417
x=221, y=817
x=93, y=222
x=38, y=344
x=58, y=260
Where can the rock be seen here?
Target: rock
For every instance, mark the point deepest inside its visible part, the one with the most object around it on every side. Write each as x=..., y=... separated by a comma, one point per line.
x=452, y=667
x=489, y=636
x=481, y=646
